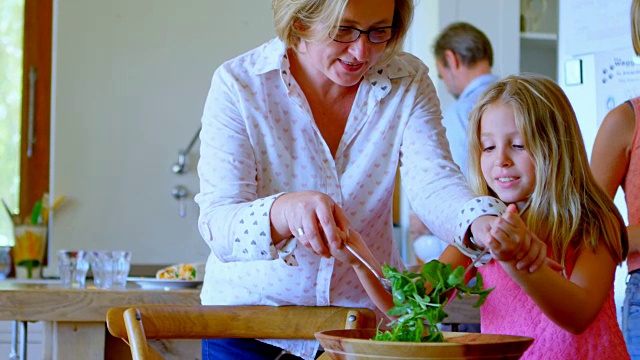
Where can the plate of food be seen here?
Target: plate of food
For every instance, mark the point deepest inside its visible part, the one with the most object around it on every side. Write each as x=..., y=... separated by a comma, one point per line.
x=149, y=283
x=179, y=276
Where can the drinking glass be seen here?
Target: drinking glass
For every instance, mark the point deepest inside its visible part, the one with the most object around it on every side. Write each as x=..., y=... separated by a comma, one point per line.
x=73, y=266
x=110, y=268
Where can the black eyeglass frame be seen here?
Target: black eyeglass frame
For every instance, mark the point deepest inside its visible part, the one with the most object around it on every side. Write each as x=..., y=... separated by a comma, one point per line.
x=367, y=32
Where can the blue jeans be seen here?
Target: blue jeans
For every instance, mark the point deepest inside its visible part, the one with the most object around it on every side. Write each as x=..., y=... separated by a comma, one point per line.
x=242, y=349
x=631, y=315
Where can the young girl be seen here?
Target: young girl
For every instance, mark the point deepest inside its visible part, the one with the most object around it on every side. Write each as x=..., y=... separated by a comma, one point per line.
x=527, y=150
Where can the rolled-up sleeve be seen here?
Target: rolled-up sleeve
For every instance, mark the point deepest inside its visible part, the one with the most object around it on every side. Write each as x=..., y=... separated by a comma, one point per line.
x=434, y=185
x=233, y=221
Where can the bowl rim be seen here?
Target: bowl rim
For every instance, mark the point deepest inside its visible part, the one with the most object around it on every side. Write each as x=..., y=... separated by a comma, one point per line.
x=505, y=338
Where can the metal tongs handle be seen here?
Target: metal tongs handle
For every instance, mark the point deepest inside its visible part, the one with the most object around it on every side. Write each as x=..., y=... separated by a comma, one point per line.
x=386, y=283
x=470, y=266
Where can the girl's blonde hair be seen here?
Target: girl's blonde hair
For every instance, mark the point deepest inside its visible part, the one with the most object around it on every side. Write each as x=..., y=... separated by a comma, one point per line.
x=294, y=20
x=635, y=25
x=567, y=208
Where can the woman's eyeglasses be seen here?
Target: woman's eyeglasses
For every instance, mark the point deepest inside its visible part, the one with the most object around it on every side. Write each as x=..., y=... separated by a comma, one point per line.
x=347, y=34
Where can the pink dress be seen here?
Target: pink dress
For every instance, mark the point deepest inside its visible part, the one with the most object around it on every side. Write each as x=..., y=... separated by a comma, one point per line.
x=510, y=311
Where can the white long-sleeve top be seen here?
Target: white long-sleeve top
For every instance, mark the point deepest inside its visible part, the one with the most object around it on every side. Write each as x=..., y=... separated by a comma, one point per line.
x=259, y=140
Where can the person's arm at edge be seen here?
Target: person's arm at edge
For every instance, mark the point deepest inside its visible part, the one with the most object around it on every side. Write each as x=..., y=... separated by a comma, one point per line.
x=610, y=157
x=380, y=297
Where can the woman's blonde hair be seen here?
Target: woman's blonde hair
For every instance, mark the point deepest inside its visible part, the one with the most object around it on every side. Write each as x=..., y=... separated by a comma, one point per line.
x=294, y=19
x=567, y=208
x=635, y=25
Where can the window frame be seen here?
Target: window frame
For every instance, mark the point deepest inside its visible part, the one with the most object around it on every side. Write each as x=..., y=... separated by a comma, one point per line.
x=37, y=54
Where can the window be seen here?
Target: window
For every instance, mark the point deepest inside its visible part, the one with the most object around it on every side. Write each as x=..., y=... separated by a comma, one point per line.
x=25, y=50
x=11, y=31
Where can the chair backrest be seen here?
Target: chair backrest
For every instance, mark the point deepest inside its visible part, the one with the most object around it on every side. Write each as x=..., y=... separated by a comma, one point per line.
x=137, y=324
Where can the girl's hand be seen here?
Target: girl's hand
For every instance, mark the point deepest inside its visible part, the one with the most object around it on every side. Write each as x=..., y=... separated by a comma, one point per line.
x=312, y=217
x=511, y=238
x=485, y=229
x=513, y=241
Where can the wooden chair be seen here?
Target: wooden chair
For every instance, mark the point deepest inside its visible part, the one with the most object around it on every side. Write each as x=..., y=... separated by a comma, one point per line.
x=135, y=325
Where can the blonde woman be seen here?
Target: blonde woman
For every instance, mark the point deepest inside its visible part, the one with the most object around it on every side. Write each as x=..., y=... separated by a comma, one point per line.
x=301, y=138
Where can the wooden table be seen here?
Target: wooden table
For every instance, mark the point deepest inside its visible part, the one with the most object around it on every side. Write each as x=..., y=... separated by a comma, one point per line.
x=74, y=319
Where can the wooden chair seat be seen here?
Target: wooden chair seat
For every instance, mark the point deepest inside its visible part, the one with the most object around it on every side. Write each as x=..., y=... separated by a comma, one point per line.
x=135, y=325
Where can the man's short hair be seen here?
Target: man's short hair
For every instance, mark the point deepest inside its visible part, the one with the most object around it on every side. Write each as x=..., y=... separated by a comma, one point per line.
x=465, y=40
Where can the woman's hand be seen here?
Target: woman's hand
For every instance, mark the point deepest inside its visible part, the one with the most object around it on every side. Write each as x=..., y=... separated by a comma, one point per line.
x=312, y=217
x=342, y=254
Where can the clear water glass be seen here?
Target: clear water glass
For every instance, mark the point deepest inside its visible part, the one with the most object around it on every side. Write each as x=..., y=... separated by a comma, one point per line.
x=110, y=268
x=73, y=266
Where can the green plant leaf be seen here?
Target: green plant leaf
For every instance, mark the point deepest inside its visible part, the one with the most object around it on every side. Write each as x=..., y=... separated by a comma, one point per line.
x=35, y=213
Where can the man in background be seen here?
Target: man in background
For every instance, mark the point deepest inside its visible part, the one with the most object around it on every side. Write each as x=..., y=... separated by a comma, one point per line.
x=464, y=58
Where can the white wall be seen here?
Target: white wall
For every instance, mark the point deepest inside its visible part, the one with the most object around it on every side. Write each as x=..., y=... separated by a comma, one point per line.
x=130, y=80
x=587, y=30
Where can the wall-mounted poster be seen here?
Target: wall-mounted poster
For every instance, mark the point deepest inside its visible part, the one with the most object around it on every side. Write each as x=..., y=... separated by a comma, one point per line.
x=617, y=79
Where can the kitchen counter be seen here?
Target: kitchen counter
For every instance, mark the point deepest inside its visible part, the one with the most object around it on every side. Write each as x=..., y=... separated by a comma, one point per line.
x=74, y=319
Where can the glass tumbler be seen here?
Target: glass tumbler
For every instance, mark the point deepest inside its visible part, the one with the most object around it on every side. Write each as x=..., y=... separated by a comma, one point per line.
x=73, y=266
x=110, y=268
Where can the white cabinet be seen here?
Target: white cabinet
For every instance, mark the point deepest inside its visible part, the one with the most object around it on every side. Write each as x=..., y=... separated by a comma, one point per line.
x=539, y=37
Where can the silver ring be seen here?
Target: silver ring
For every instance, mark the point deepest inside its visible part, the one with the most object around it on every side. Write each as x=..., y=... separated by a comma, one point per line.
x=300, y=231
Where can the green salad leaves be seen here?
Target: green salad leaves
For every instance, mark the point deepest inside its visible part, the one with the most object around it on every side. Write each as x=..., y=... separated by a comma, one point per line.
x=418, y=313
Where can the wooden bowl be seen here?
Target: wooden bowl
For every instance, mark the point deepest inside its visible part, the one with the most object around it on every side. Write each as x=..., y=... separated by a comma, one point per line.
x=357, y=345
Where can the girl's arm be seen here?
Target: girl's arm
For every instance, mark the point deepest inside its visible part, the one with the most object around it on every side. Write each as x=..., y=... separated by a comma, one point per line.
x=380, y=297
x=451, y=255
x=572, y=303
